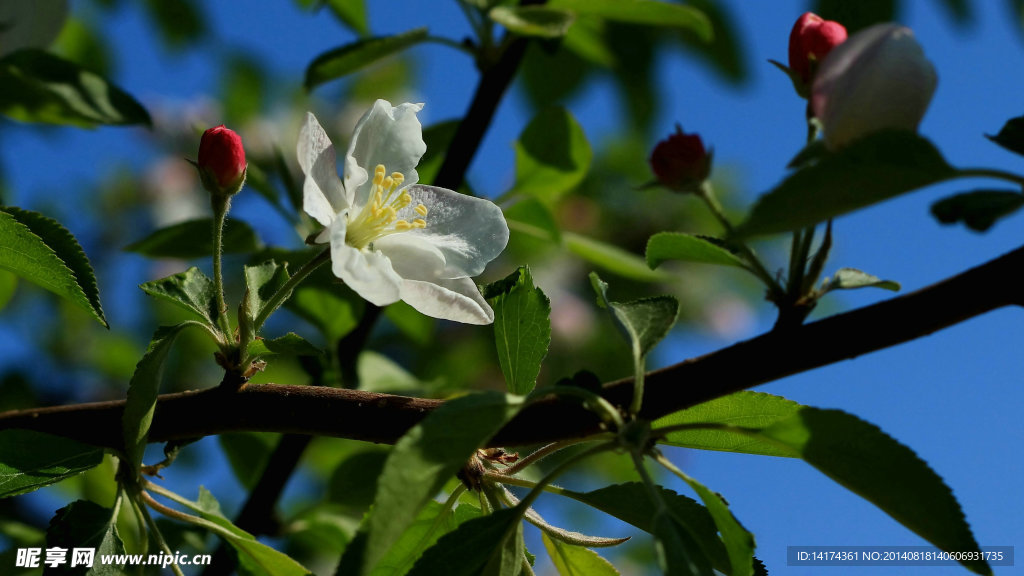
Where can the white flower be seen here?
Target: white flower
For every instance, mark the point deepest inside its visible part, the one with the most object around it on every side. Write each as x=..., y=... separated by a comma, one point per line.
x=878, y=79
x=392, y=239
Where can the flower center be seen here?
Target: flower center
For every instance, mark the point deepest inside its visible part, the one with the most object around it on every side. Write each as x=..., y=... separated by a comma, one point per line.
x=379, y=217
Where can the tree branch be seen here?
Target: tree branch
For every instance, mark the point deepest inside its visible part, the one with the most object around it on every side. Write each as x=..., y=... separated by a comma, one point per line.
x=384, y=418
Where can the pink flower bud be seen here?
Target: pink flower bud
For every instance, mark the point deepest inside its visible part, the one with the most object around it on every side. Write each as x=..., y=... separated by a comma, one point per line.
x=221, y=161
x=811, y=39
x=680, y=161
x=879, y=79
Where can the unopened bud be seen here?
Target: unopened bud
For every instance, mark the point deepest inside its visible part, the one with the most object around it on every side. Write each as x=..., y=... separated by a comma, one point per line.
x=877, y=80
x=680, y=162
x=221, y=163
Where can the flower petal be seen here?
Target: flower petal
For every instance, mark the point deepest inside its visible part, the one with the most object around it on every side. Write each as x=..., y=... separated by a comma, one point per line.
x=322, y=194
x=411, y=257
x=469, y=231
x=457, y=299
x=368, y=273
x=388, y=135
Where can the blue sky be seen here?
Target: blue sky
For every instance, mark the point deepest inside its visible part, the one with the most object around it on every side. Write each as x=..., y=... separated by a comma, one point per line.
x=954, y=397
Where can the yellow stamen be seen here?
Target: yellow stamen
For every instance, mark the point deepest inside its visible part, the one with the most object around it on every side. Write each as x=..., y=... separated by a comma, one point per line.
x=421, y=210
x=419, y=223
x=402, y=226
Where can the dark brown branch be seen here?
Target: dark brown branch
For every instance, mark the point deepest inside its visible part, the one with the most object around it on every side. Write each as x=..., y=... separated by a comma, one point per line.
x=384, y=418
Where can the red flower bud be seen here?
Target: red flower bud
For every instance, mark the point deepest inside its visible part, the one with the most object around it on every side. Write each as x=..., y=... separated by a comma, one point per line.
x=221, y=162
x=811, y=39
x=680, y=161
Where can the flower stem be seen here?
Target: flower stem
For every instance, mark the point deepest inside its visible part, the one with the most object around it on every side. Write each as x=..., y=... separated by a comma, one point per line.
x=526, y=502
x=221, y=204
x=156, y=533
x=707, y=194
x=282, y=294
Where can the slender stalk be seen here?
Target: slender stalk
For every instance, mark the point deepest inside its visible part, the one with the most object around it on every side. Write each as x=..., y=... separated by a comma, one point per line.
x=648, y=482
x=158, y=536
x=451, y=44
x=282, y=294
x=221, y=204
x=535, y=492
x=775, y=290
x=184, y=517
x=538, y=455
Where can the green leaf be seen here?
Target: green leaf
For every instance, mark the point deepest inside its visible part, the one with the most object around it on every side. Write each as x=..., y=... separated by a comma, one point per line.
x=42, y=87
x=522, y=328
x=979, y=209
x=178, y=23
x=291, y=344
x=248, y=454
x=676, y=246
x=611, y=258
x=539, y=21
x=851, y=278
x=328, y=308
x=254, y=557
x=869, y=170
x=1011, y=135
x=576, y=560
x=644, y=322
x=262, y=282
x=353, y=482
x=351, y=13
x=194, y=239
x=424, y=459
x=744, y=409
x=421, y=535
x=142, y=392
x=644, y=12
x=351, y=57
x=8, y=286
x=418, y=327
x=552, y=155
x=739, y=543
x=725, y=52
x=867, y=461
x=84, y=524
x=483, y=545
x=43, y=252
x=378, y=373
x=676, y=551
x=533, y=217
x=631, y=503
x=30, y=460
x=191, y=290
x=857, y=15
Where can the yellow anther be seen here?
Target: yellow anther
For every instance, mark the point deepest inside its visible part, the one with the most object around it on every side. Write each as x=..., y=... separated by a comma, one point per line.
x=421, y=210
x=419, y=223
x=398, y=178
x=402, y=226
x=387, y=183
x=404, y=200
x=380, y=169
x=389, y=214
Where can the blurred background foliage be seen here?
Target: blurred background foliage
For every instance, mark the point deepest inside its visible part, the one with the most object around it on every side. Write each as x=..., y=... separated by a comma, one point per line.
x=601, y=219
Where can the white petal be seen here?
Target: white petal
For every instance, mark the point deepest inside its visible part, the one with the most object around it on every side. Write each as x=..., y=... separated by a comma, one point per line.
x=457, y=299
x=388, y=135
x=322, y=195
x=878, y=79
x=368, y=273
x=412, y=258
x=469, y=231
